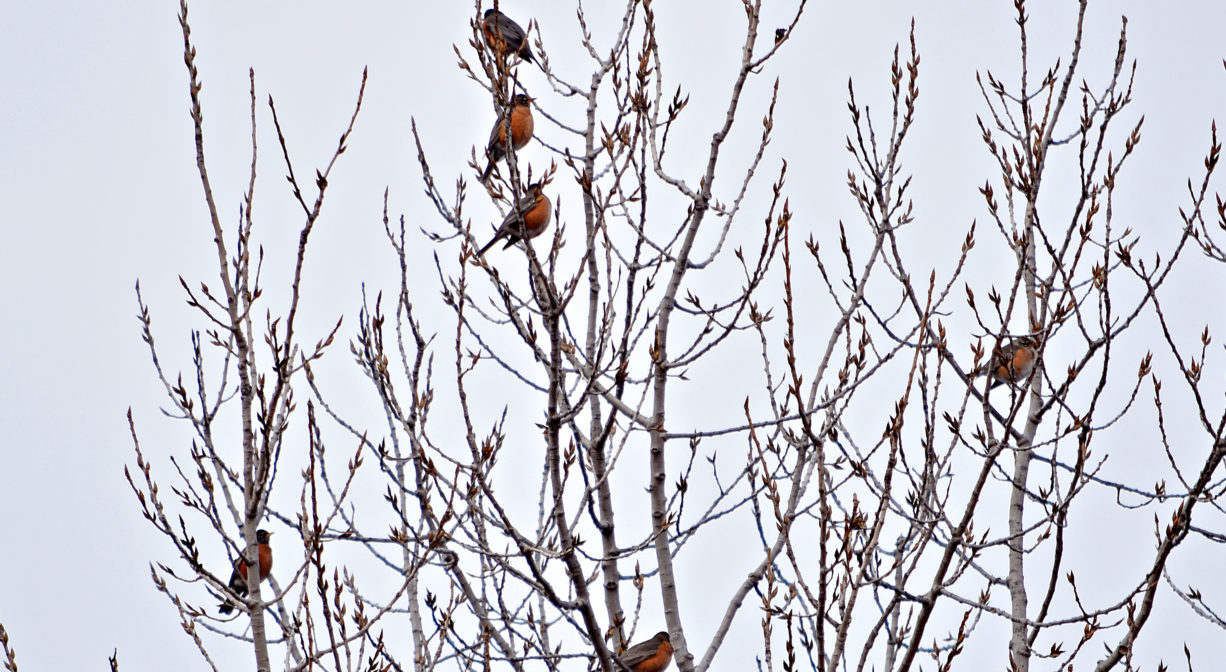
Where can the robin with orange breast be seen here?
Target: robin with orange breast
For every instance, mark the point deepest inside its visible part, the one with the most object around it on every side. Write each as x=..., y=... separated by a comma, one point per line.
x=238, y=579
x=504, y=35
x=528, y=219
x=521, y=132
x=652, y=655
x=1012, y=363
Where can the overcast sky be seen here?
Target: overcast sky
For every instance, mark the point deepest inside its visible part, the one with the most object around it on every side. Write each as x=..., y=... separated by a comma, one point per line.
x=98, y=189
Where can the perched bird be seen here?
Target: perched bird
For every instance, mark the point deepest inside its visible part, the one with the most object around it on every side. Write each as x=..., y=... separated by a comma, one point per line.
x=780, y=33
x=527, y=219
x=652, y=655
x=238, y=579
x=504, y=35
x=521, y=132
x=1012, y=363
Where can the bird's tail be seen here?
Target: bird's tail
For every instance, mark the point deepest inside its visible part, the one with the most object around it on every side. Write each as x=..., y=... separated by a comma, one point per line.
x=489, y=168
x=226, y=607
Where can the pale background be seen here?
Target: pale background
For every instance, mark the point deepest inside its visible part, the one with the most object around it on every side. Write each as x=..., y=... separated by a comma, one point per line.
x=98, y=189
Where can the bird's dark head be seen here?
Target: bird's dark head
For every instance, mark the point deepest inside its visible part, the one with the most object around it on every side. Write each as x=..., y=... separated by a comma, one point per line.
x=1028, y=341
x=489, y=13
x=261, y=536
x=522, y=99
x=539, y=186
x=661, y=637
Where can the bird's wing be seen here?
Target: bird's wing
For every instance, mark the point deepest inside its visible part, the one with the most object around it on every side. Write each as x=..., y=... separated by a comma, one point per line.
x=526, y=203
x=639, y=652
x=238, y=575
x=497, y=125
x=511, y=32
x=511, y=221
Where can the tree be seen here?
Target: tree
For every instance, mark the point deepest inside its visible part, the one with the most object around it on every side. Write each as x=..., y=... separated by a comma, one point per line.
x=870, y=545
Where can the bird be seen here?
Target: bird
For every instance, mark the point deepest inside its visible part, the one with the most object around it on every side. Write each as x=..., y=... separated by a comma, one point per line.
x=1012, y=363
x=521, y=132
x=527, y=219
x=652, y=655
x=780, y=33
x=504, y=35
x=238, y=579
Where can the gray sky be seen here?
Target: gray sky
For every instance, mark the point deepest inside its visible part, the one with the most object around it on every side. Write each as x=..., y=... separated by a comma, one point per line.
x=98, y=189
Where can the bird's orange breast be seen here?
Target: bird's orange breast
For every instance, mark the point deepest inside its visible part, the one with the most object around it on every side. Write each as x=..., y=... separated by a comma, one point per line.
x=1013, y=365
x=265, y=561
x=658, y=660
x=265, y=552
x=1023, y=360
x=522, y=127
x=493, y=36
x=536, y=219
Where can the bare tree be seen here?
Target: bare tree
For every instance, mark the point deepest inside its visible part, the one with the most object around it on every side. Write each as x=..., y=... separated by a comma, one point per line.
x=576, y=357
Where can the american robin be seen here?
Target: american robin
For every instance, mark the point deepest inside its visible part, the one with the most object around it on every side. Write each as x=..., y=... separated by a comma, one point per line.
x=527, y=219
x=521, y=133
x=1012, y=363
x=238, y=579
x=652, y=655
x=780, y=33
x=504, y=35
